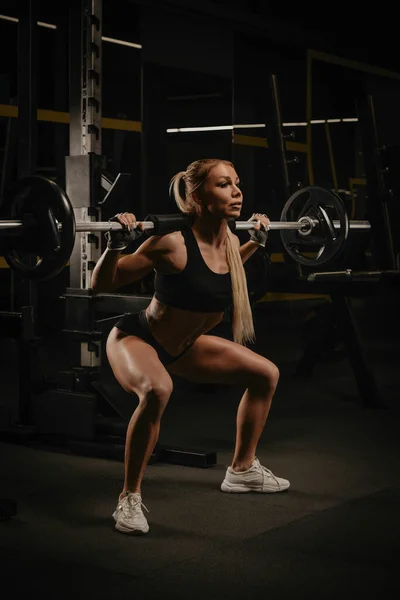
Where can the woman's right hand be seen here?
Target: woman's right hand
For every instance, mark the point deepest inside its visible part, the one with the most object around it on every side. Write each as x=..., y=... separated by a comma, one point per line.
x=118, y=239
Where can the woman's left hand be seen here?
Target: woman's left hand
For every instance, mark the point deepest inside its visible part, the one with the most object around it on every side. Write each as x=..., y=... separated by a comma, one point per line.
x=259, y=234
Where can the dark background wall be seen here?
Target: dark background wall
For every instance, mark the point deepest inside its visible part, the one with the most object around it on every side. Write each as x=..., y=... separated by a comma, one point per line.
x=207, y=63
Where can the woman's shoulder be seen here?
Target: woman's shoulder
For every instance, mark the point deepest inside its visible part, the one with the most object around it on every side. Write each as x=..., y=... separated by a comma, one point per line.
x=171, y=252
x=168, y=241
x=168, y=245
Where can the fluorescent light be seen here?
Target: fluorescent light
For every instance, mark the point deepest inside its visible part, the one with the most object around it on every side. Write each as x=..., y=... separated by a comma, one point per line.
x=320, y=121
x=189, y=129
x=48, y=25
x=12, y=19
x=214, y=128
x=121, y=42
x=52, y=26
x=255, y=125
x=250, y=126
x=40, y=23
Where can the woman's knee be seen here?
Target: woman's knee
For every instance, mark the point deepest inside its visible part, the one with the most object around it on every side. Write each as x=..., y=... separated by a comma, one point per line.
x=138, y=375
x=267, y=375
x=154, y=394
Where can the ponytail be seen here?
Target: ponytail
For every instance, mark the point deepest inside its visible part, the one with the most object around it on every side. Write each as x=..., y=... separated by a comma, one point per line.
x=242, y=321
x=174, y=189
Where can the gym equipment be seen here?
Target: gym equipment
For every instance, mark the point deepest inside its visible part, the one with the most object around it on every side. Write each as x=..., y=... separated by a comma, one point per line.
x=319, y=207
x=43, y=224
x=46, y=229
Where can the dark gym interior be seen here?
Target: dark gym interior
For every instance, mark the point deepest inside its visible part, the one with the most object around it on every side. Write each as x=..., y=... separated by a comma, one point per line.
x=101, y=103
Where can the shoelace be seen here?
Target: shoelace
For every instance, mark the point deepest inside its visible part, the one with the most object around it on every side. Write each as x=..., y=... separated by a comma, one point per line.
x=266, y=472
x=131, y=503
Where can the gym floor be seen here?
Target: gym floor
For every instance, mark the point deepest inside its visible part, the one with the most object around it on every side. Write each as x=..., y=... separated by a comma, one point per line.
x=334, y=534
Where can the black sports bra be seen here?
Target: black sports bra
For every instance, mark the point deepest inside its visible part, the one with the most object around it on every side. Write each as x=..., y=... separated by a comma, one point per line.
x=196, y=287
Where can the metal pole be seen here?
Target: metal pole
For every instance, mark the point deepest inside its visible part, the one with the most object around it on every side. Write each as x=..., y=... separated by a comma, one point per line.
x=377, y=194
x=26, y=292
x=18, y=227
x=240, y=225
x=85, y=55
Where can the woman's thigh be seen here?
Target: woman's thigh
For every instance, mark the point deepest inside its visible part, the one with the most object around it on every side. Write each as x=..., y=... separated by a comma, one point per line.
x=214, y=359
x=136, y=365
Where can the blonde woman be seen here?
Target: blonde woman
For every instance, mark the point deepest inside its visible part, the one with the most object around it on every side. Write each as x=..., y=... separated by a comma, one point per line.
x=198, y=274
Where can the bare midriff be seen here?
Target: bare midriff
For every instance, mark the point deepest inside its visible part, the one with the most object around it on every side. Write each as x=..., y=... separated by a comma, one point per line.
x=175, y=329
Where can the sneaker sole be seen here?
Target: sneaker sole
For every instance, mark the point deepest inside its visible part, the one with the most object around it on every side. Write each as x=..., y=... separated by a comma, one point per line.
x=125, y=530
x=241, y=489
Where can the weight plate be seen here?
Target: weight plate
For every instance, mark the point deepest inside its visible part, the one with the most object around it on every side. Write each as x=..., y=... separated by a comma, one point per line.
x=46, y=246
x=325, y=241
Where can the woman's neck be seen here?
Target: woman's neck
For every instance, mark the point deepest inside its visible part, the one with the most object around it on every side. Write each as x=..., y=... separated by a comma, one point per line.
x=210, y=229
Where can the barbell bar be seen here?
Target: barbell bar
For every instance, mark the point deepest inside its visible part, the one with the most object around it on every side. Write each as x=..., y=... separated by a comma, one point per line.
x=40, y=221
x=18, y=227
x=235, y=225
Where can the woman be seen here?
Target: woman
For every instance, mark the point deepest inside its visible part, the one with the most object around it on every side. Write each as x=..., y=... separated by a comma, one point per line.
x=198, y=274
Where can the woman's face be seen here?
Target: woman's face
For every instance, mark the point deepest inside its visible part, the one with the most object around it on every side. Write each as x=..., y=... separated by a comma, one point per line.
x=221, y=194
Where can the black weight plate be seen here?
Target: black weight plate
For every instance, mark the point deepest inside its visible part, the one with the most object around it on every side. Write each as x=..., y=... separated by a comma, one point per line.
x=325, y=241
x=45, y=248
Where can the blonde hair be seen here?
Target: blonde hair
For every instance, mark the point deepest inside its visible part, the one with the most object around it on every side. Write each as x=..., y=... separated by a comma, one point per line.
x=193, y=179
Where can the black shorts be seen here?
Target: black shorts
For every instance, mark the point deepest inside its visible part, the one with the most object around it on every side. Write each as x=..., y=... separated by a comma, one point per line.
x=137, y=324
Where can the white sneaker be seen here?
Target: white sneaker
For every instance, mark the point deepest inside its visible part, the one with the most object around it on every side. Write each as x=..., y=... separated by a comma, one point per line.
x=128, y=515
x=255, y=479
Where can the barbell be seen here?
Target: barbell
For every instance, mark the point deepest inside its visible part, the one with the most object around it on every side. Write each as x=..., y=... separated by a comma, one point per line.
x=41, y=223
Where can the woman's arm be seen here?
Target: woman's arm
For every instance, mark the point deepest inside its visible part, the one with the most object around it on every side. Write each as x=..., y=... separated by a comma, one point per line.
x=258, y=237
x=248, y=249
x=114, y=270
